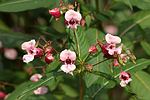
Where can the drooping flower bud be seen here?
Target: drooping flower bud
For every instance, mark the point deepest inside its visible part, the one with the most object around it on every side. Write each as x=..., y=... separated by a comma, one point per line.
x=35, y=77
x=39, y=52
x=49, y=58
x=55, y=12
x=116, y=63
x=41, y=90
x=93, y=49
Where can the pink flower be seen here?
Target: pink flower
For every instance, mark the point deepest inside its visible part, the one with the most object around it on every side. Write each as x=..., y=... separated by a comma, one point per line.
x=110, y=39
x=125, y=78
x=49, y=58
x=93, y=49
x=35, y=77
x=112, y=50
x=39, y=52
x=32, y=51
x=28, y=46
x=28, y=58
x=10, y=53
x=72, y=18
x=41, y=90
x=68, y=58
x=55, y=12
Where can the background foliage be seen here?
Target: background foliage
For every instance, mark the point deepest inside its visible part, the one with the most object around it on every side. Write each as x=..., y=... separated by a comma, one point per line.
x=22, y=20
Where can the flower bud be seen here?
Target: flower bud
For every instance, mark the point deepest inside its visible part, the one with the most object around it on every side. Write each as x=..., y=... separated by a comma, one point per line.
x=10, y=53
x=35, y=77
x=39, y=52
x=93, y=49
x=41, y=90
x=116, y=63
x=49, y=58
x=55, y=12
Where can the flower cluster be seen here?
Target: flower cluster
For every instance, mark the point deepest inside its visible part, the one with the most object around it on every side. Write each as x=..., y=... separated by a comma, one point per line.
x=112, y=50
x=33, y=51
x=68, y=58
x=72, y=18
x=40, y=90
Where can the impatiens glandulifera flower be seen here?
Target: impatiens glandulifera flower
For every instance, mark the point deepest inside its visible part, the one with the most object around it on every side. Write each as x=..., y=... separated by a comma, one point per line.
x=55, y=12
x=72, y=19
x=32, y=51
x=41, y=90
x=39, y=52
x=35, y=77
x=49, y=58
x=93, y=49
x=68, y=58
x=110, y=39
x=125, y=78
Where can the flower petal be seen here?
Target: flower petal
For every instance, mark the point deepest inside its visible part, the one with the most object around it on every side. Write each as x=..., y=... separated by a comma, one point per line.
x=28, y=58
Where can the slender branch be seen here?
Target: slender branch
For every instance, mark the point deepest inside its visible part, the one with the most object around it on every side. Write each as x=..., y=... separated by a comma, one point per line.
x=100, y=62
x=81, y=88
x=131, y=26
x=77, y=43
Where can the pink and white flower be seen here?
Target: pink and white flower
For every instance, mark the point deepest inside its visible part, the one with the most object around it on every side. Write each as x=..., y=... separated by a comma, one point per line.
x=55, y=12
x=125, y=78
x=68, y=58
x=32, y=51
x=110, y=39
x=35, y=77
x=41, y=90
x=72, y=19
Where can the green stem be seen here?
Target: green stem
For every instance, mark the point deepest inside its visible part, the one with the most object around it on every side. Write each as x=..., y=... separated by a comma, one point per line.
x=77, y=43
x=131, y=26
x=100, y=62
x=81, y=87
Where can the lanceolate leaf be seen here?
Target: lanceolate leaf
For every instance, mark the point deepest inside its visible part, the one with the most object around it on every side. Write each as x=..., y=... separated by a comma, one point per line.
x=22, y=5
x=140, y=85
x=26, y=89
x=146, y=47
x=132, y=68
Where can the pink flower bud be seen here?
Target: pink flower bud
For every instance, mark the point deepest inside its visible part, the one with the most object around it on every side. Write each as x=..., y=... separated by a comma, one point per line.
x=39, y=52
x=41, y=90
x=93, y=49
x=116, y=63
x=49, y=58
x=10, y=53
x=2, y=95
x=35, y=77
x=55, y=12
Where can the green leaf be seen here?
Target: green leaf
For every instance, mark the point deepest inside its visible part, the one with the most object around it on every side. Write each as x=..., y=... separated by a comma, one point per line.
x=25, y=89
x=144, y=4
x=140, y=64
x=127, y=2
x=88, y=20
x=69, y=91
x=14, y=39
x=140, y=85
x=146, y=47
x=22, y=5
x=142, y=18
